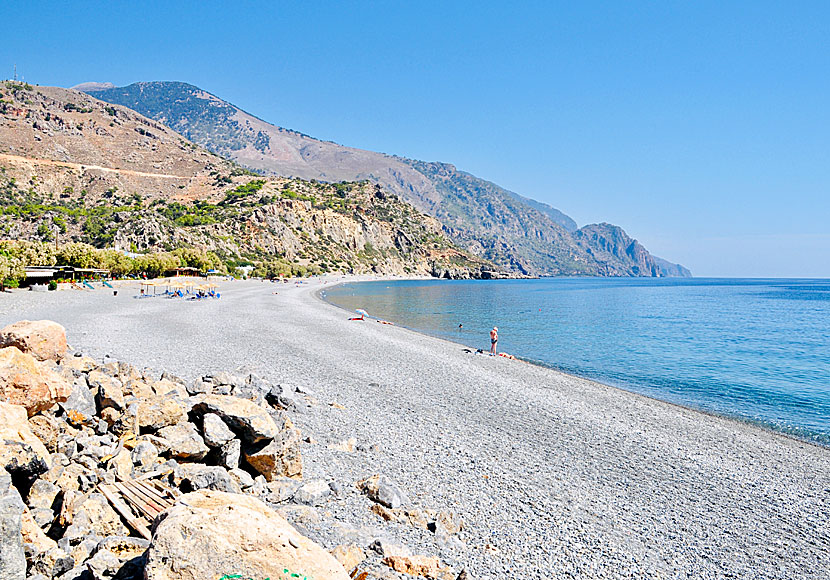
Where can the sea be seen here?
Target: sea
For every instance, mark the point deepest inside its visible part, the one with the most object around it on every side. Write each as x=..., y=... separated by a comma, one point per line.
x=750, y=349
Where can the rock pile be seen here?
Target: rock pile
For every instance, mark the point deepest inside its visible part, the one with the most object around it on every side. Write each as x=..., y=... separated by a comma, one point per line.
x=223, y=447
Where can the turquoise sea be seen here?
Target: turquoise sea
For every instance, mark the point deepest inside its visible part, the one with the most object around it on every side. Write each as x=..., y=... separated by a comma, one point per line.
x=756, y=350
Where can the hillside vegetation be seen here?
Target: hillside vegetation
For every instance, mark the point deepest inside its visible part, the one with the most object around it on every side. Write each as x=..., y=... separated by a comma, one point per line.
x=80, y=170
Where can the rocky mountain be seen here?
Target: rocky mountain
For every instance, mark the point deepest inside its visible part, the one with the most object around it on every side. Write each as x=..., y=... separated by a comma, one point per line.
x=83, y=170
x=513, y=231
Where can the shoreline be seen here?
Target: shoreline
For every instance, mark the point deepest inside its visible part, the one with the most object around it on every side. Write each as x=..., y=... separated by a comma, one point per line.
x=734, y=418
x=553, y=475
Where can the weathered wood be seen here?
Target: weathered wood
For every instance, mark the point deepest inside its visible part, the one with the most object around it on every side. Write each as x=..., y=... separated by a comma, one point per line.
x=152, y=501
x=125, y=512
x=148, y=511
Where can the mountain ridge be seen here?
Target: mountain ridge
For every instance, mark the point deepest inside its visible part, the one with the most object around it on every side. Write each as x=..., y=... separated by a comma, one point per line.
x=514, y=232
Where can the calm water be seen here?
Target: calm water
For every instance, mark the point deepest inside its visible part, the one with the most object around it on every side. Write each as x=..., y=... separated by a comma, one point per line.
x=758, y=350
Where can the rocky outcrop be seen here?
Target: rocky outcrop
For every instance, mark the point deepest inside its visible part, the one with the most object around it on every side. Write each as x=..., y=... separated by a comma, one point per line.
x=208, y=534
x=43, y=339
x=26, y=382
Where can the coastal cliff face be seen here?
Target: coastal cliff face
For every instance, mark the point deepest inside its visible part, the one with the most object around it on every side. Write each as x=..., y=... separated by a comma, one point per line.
x=83, y=170
x=514, y=232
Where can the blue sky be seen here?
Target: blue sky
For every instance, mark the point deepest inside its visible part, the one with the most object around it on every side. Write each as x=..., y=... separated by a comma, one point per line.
x=702, y=128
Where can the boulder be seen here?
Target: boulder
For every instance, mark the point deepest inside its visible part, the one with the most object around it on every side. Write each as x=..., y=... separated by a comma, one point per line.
x=252, y=422
x=42, y=494
x=382, y=490
x=25, y=382
x=43, y=339
x=12, y=556
x=22, y=454
x=79, y=406
x=109, y=390
x=230, y=453
x=281, y=456
x=312, y=492
x=207, y=534
x=52, y=562
x=184, y=442
x=215, y=430
x=94, y=515
x=118, y=558
x=194, y=476
x=161, y=411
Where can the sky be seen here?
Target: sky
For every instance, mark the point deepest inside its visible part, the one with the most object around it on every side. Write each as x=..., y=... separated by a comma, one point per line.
x=702, y=128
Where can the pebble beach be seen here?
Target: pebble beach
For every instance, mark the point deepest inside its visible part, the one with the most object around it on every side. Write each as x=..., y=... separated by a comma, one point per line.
x=553, y=475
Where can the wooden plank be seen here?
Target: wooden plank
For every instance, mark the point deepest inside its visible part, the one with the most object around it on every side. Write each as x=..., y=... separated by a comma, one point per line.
x=153, y=492
x=125, y=512
x=148, y=511
x=149, y=499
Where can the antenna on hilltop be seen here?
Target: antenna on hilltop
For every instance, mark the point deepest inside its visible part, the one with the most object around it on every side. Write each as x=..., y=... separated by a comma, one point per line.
x=15, y=72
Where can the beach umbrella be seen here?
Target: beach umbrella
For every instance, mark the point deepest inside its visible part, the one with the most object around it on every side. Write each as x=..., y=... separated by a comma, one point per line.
x=362, y=312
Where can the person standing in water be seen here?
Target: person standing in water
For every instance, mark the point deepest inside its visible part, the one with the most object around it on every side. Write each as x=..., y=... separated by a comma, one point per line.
x=494, y=339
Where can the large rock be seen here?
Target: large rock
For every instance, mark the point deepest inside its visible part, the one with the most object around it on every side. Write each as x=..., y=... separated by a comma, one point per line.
x=243, y=416
x=24, y=381
x=193, y=477
x=161, y=411
x=215, y=430
x=184, y=442
x=95, y=516
x=208, y=534
x=21, y=452
x=12, y=557
x=279, y=457
x=118, y=558
x=384, y=491
x=43, y=339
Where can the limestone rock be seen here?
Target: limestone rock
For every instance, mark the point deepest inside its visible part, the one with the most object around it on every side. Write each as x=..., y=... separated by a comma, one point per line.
x=12, y=556
x=25, y=382
x=118, y=558
x=81, y=363
x=413, y=518
x=144, y=454
x=349, y=555
x=43, y=339
x=230, y=453
x=312, y=492
x=184, y=442
x=208, y=534
x=241, y=415
x=110, y=392
x=42, y=494
x=157, y=412
x=95, y=516
x=215, y=430
x=194, y=476
x=382, y=490
x=80, y=402
x=426, y=566
x=52, y=563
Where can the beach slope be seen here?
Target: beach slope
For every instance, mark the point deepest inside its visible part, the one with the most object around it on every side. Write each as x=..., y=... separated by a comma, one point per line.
x=553, y=475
